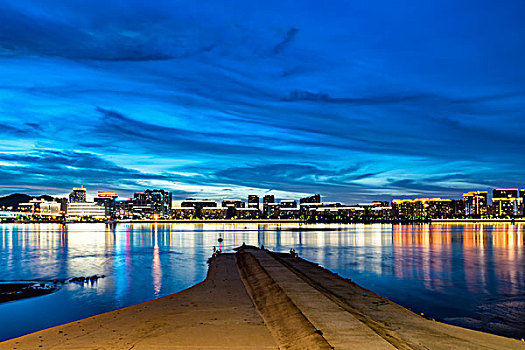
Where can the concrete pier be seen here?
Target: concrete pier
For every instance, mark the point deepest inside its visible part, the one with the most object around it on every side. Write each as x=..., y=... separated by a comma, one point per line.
x=256, y=299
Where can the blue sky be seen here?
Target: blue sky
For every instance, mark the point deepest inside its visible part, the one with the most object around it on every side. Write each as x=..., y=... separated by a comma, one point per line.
x=353, y=100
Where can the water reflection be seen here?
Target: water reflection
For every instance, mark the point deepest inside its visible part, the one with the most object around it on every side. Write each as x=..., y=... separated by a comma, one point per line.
x=469, y=275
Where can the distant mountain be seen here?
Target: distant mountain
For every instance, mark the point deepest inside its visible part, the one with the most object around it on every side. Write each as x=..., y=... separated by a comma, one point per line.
x=13, y=200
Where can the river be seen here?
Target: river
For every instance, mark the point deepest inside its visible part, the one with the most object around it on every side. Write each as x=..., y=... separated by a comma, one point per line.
x=471, y=275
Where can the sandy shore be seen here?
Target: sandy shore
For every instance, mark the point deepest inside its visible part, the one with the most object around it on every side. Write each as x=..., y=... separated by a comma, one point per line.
x=256, y=299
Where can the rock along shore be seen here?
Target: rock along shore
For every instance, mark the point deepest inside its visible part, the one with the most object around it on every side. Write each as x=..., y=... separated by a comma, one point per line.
x=257, y=299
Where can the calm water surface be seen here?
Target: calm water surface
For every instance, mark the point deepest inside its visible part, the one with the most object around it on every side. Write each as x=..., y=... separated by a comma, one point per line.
x=471, y=275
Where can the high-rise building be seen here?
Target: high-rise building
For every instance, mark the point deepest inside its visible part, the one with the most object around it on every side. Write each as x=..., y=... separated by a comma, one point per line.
x=522, y=196
x=267, y=199
x=402, y=207
x=475, y=203
x=458, y=207
x=253, y=201
x=505, y=193
x=231, y=206
x=507, y=202
x=78, y=195
x=108, y=201
x=124, y=208
x=438, y=207
x=152, y=202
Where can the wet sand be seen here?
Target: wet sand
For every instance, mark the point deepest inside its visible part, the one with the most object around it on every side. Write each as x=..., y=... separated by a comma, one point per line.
x=256, y=299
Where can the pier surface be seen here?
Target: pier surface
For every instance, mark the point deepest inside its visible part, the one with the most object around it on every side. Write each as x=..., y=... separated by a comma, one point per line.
x=256, y=299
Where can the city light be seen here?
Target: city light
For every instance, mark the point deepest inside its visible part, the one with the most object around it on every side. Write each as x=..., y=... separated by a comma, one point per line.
x=157, y=205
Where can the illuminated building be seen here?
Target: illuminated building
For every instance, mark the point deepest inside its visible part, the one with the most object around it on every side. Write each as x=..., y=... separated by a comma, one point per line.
x=316, y=198
x=267, y=199
x=253, y=201
x=108, y=201
x=185, y=212
x=328, y=210
x=475, y=203
x=438, y=207
x=197, y=205
x=507, y=202
x=77, y=195
x=214, y=212
x=380, y=211
x=331, y=212
x=403, y=207
x=433, y=207
x=78, y=210
x=288, y=203
x=522, y=196
x=420, y=207
x=152, y=202
x=505, y=193
x=272, y=210
x=124, y=208
x=309, y=208
x=247, y=213
x=369, y=206
x=232, y=205
x=423, y=207
x=458, y=207
x=41, y=208
x=236, y=203
x=289, y=212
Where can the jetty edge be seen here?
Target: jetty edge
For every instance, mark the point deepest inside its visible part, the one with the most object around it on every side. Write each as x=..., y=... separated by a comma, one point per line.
x=258, y=299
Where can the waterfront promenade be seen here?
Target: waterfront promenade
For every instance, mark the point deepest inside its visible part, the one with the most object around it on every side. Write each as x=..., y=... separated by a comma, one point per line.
x=262, y=221
x=256, y=299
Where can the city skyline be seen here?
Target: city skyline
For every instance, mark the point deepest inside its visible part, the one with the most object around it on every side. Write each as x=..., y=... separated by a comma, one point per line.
x=154, y=204
x=92, y=193
x=353, y=101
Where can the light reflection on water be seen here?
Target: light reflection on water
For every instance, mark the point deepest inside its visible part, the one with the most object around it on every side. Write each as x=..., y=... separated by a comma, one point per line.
x=471, y=275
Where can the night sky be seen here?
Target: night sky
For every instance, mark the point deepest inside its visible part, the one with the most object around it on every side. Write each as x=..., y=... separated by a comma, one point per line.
x=355, y=100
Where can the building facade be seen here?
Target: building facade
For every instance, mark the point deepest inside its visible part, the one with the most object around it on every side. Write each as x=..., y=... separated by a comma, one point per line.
x=403, y=208
x=267, y=200
x=42, y=208
x=475, y=203
x=78, y=195
x=507, y=202
x=152, y=203
x=253, y=201
x=197, y=205
x=109, y=201
x=91, y=210
x=288, y=203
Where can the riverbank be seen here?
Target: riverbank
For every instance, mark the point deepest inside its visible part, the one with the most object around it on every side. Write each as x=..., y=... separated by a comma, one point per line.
x=478, y=221
x=275, y=221
x=301, y=223
x=259, y=299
